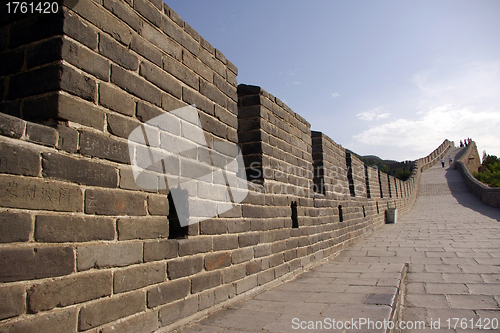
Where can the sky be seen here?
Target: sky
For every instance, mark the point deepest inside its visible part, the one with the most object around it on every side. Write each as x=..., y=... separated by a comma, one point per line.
x=386, y=78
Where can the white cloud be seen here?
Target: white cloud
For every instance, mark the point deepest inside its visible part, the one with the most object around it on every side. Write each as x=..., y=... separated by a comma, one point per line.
x=373, y=114
x=296, y=82
x=335, y=94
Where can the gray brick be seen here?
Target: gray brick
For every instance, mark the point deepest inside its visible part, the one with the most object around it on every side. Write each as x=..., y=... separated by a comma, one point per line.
x=114, y=202
x=233, y=273
x=225, y=242
x=142, y=228
x=232, y=67
x=60, y=228
x=212, y=125
x=195, y=245
x=68, y=139
x=80, y=111
x=237, y=225
x=13, y=301
x=168, y=292
x=160, y=79
x=69, y=290
x=253, y=267
x=148, y=11
x=110, y=309
x=121, y=126
x=81, y=171
x=85, y=59
x=206, y=299
x=217, y=260
x=157, y=38
x=206, y=45
x=135, y=85
x=78, y=84
x=19, y=160
x=77, y=29
x=143, y=323
x=249, y=239
x=208, y=59
x=34, y=193
x=220, y=56
x=184, y=267
x=242, y=255
x=213, y=227
x=99, y=145
x=108, y=255
x=181, y=72
x=118, y=54
x=11, y=126
x=35, y=263
x=205, y=281
x=57, y=321
x=179, y=35
x=226, y=117
x=265, y=277
x=193, y=97
x=246, y=284
x=214, y=94
x=262, y=250
x=14, y=227
x=116, y=100
x=225, y=87
x=158, y=204
x=159, y=250
x=103, y=20
x=198, y=67
x=138, y=276
x=124, y=12
x=178, y=310
x=146, y=49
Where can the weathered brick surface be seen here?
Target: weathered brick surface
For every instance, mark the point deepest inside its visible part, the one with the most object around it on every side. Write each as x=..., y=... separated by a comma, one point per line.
x=114, y=202
x=57, y=321
x=11, y=126
x=19, y=160
x=178, y=310
x=168, y=292
x=43, y=135
x=34, y=193
x=110, y=309
x=35, y=263
x=14, y=227
x=108, y=255
x=116, y=99
x=79, y=30
x=160, y=79
x=68, y=228
x=136, y=277
x=159, y=250
x=184, y=267
x=12, y=301
x=69, y=290
x=158, y=204
x=85, y=59
x=135, y=85
x=143, y=323
x=193, y=246
x=112, y=50
x=80, y=111
x=121, y=126
x=142, y=228
x=81, y=171
x=102, y=146
x=217, y=260
x=204, y=281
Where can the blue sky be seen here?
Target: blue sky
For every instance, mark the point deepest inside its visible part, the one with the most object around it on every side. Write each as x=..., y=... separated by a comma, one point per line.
x=388, y=78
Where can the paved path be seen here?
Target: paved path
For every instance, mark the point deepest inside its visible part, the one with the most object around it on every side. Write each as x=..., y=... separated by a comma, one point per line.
x=451, y=241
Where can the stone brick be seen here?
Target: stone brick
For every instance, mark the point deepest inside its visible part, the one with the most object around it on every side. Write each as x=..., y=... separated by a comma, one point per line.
x=157, y=38
x=233, y=273
x=138, y=276
x=85, y=59
x=217, y=260
x=114, y=202
x=159, y=250
x=143, y=323
x=142, y=228
x=225, y=242
x=19, y=160
x=220, y=56
x=77, y=29
x=248, y=239
x=168, y=292
x=40, y=134
x=226, y=88
x=37, y=81
x=103, y=20
x=146, y=49
x=191, y=31
x=192, y=97
x=205, y=300
x=34, y=193
x=135, y=85
x=158, y=204
x=226, y=117
x=42, y=53
x=121, y=126
x=124, y=12
x=110, y=309
x=262, y=250
x=214, y=94
x=195, y=245
x=148, y=11
x=60, y=229
x=246, y=284
x=102, y=146
x=213, y=227
x=35, y=263
x=116, y=100
x=79, y=111
x=212, y=125
x=116, y=53
x=205, y=281
x=81, y=171
x=12, y=301
x=14, y=227
x=236, y=226
x=178, y=310
x=180, y=36
x=232, y=67
x=242, y=255
x=160, y=79
x=69, y=290
x=57, y=321
x=254, y=267
x=108, y=255
x=197, y=66
x=224, y=293
x=184, y=267
x=181, y=72
x=206, y=45
x=173, y=15
x=78, y=84
x=265, y=277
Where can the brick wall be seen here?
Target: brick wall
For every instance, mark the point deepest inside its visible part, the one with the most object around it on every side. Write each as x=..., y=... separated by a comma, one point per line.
x=83, y=247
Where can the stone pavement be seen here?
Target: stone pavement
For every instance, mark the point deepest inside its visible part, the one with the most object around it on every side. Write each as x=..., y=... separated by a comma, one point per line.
x=451, y=241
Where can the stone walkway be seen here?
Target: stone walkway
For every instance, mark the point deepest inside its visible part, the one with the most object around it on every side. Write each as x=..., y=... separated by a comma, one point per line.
x=451, y=241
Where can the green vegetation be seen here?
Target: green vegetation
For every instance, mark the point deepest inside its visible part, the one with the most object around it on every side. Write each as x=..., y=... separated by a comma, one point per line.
x=489, y=172
x=402, y=174
x=373, y=162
